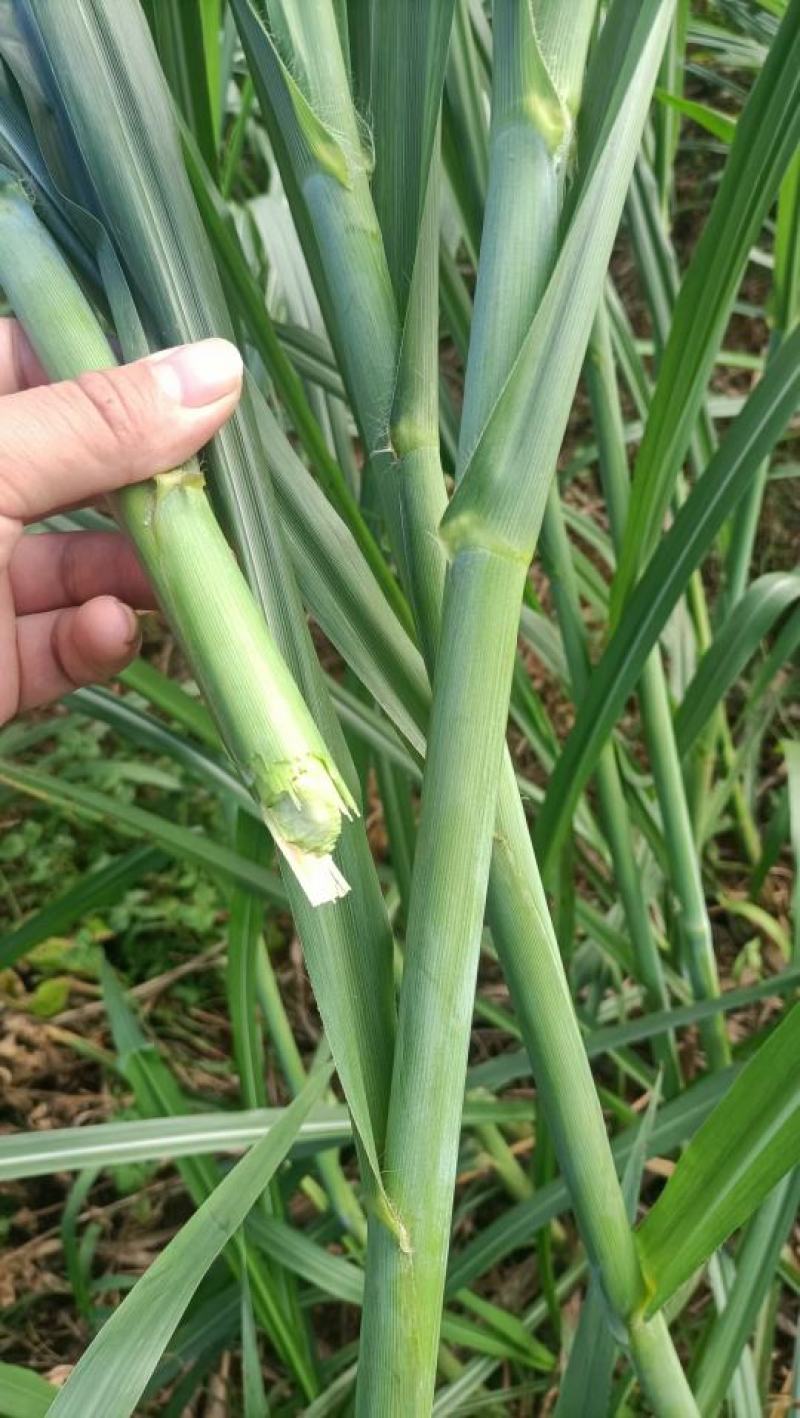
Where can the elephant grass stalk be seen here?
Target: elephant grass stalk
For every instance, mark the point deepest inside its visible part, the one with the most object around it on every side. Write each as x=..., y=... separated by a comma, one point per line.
x=336, y=219
x=259, y=710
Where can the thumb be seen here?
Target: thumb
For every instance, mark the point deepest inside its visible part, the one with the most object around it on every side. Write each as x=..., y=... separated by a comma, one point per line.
x=71, y=442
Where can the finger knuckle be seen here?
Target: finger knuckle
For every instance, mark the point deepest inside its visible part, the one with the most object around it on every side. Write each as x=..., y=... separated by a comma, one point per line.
x=117, y=407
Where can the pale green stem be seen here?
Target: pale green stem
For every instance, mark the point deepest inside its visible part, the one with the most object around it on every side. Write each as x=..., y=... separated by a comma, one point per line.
x=405, y=1281
x=513, y=1176
x=660, y=1371
x=519, y=919
x=277, y=749
x=356, y=287
x=518, y=916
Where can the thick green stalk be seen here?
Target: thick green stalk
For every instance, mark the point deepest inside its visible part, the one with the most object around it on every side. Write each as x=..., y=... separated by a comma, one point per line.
x=659, y=1368
x=405, y=1281
x=422, y=503
x=399, y=1286
x=114, y=108
x=530, y=128
x=529, y=953
x=280, y=753
x=358, y=320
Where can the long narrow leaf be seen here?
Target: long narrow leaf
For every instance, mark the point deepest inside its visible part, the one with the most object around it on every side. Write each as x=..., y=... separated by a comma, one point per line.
x=767, y=135
x=113, y=1372
x=756, y=613
x=725, y=481
x=742, y=1150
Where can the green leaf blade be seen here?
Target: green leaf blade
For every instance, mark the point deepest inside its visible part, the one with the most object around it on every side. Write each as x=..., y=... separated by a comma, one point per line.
x=113, y=1372
x=743, y=1149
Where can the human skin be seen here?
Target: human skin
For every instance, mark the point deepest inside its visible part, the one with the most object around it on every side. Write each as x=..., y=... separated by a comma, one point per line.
x=68, y=600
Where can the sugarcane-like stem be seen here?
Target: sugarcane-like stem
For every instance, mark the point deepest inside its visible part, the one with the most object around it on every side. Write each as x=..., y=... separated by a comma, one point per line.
x=405, y=1282
x=526, y=944
x=259, y=711
x=355, y=287
x=660, y=1370
x=404, y=1286
x=261, y=714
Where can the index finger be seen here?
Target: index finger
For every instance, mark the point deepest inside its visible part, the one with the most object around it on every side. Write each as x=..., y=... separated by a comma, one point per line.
x=19, y=367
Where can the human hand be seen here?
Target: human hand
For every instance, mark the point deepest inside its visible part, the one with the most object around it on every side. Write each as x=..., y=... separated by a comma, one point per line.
x=67, y=599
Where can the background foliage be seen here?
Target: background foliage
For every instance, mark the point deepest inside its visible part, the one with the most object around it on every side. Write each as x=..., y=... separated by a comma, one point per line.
x=320, y=182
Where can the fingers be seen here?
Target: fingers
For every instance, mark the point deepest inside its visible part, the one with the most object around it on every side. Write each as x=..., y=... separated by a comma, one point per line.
x=54, y=569
x=73, y=441
x=19, y=367
x=60, y=650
